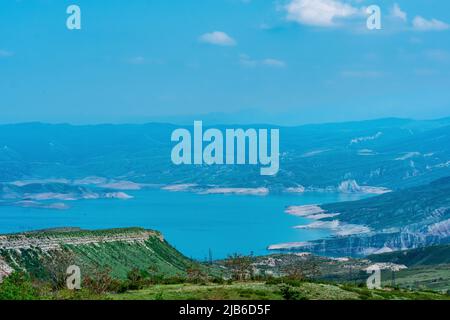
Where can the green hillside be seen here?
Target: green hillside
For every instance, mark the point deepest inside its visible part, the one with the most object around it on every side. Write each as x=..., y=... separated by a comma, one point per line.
x=397, y=209
x=426, y=256
x=119, y=250
x=400, y=220
x=135, y=263
x=266, y=291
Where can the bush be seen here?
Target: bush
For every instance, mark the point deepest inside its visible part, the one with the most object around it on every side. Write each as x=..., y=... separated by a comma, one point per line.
x=135, y=279
x=284, y=280
x=196, y=275
x=218, y=280
x=288, y=293
x=173, y=280
x=55, y=265
x=101, y=282
x=18, y=286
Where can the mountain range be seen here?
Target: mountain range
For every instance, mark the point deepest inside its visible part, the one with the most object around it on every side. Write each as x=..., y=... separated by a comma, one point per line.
x=386, y=153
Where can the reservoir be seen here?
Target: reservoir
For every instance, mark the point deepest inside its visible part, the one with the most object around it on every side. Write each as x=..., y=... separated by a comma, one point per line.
x=195, y=224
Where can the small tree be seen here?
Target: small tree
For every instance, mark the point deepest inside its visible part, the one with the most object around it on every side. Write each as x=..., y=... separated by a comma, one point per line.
x=100, y=281
x=294, y=272
x=55, y=264
x=135, y=279
x=240, y=266
x=196, y=275
x=312, y=267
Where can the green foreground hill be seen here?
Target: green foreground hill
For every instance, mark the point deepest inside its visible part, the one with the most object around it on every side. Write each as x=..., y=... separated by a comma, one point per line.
x=135, y=263
x=119, y=250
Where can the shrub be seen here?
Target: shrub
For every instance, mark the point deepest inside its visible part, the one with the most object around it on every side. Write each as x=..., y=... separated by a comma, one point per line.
x=288, y=293
x=18, y=286
x=101, y=282
x=218, y=280
x=135, y=279
x=196, y=275
x=55, y=265
x=284, y=280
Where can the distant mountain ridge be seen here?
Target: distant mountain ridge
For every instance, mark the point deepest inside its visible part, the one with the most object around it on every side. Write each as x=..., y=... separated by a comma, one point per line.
x=391, y=153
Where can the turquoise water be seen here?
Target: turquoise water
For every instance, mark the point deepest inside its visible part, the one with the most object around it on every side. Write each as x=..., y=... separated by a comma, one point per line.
x=191, y=222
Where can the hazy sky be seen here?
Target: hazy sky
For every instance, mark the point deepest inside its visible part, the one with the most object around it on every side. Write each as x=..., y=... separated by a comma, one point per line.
x=286, y=61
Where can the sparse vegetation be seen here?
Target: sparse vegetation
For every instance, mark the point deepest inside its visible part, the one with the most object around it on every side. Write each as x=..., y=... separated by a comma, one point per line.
x=152, y=269
x=18, y=286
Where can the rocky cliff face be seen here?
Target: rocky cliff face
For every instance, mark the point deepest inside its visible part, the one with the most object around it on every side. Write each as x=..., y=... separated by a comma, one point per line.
x=405, y=219
x=47, y=241
x=370, y=244
x=24, y=251
x=117, y=251
x=5, y=269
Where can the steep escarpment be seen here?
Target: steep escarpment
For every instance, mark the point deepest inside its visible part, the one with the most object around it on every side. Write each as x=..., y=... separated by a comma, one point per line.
x=405, y=219
x=118, y=250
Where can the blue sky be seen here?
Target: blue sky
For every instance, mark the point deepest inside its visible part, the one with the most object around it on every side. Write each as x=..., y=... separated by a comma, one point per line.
x=285, y=61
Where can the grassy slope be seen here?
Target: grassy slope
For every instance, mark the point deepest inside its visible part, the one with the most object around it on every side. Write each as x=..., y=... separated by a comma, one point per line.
x=435, y=278
x=262, y=291
x=426, y=271
x=428, y=267
x=122, y=257
x=416, y=257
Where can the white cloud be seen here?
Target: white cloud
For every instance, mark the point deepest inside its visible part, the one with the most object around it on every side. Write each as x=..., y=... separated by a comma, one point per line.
x=5, y=53
x=217, y=38
x=422, y=24
x=323, y=13
x=398, y=13
x=245, y=60
x=274, y=63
